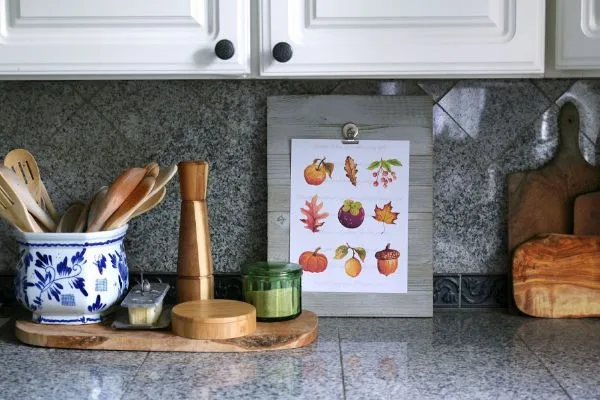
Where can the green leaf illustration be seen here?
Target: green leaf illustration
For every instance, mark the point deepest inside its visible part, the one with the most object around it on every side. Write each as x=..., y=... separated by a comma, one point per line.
x=361, y=253
x=373, y=165
x=386, y=166
x=395, y=162
x=341, y=252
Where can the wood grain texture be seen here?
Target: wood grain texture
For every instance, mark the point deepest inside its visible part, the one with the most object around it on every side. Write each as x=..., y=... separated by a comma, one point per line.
x=195, y=252
x=122, y=215
x=213, y=319
x=558, y=276
x=378, y=118
x=541, y=201
x=292, y=334
x=586, y=214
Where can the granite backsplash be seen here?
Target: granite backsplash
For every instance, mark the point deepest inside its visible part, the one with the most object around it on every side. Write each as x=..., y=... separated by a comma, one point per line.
x=83, y=133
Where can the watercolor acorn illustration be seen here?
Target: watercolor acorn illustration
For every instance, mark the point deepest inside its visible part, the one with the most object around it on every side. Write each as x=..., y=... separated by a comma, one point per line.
x=316, y=173
x=385, y=215
x=353, y=265
x=313, y=261
x=351, y=170
x=387, y=260
x=385, y=173
x=313, y=216
x=351, y=214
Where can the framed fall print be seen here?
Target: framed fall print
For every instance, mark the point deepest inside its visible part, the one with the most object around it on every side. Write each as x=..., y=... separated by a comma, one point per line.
x=356, y=215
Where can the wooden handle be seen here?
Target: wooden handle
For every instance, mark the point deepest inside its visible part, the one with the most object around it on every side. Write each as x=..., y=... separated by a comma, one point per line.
x=193, y=180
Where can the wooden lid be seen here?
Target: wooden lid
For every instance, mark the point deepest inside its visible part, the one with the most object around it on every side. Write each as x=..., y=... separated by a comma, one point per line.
x=213, y=319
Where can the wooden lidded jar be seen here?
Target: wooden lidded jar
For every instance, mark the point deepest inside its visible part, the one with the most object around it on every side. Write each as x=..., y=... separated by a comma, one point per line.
x=194, y=263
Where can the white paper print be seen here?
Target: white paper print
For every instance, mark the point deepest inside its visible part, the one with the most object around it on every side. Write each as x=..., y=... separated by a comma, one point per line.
x=349, y=215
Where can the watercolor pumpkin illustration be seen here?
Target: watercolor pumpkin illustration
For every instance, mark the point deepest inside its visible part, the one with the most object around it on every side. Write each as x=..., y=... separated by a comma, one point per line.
x=313, y=261
x=316, y=173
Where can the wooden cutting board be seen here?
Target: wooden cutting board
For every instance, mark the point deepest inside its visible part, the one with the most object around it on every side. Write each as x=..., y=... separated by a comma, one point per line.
x=541, y=201
x=291, y=334
x=586, y=214
x=558, y=276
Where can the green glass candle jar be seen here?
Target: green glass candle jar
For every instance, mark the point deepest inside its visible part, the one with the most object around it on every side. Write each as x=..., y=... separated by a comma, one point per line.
x=275, y=289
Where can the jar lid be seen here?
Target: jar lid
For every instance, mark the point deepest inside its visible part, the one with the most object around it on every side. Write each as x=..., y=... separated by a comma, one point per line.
x=272, y=269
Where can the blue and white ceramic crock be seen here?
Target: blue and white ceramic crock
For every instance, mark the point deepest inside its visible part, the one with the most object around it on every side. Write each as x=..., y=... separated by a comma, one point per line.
x=71, y=278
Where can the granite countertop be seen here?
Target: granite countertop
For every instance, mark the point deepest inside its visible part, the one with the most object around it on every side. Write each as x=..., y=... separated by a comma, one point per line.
x=484, y=354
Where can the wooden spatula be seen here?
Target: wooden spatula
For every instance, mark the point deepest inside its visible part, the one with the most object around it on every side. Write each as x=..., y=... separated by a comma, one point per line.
x=586, y=214
x=133, y=201
x=20, y=190
x=14, y=211
x=26, y=168
x=118, y=191
x=70, y=217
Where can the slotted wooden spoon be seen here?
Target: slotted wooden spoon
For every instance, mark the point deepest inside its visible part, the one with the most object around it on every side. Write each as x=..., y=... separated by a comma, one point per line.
x=133, y=201
x=14, y=211
x=10, y=179
x=118, y=191
x=26, y=168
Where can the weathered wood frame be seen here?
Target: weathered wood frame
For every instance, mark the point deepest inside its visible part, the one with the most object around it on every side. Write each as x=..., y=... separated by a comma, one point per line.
x=378, y=118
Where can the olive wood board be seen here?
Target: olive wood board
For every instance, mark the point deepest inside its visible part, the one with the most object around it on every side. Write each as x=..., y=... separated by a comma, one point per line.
x=283, y=335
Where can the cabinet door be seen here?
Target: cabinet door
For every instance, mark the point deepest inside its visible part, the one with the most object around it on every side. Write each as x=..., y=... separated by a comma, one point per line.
x=115, y=37
x=402, y=37
x=577, y=34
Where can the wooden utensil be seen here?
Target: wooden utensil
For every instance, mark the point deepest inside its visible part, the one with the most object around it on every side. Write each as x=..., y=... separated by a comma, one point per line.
x=81, y=223
x=26, y=168
x=70, y=217
x=586, y=214
x=213, y=319
x=153, y=169
x=558, y=276
x=164, y=176
x=118, y=191
x=150, y=203
x=194, y=257
x=19, y=188
x=131, y=203
x=541, y=201
x=14, y=211
x=96, y=203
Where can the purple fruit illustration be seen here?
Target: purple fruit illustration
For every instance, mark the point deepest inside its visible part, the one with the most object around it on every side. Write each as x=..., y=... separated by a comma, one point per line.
x=351, y=214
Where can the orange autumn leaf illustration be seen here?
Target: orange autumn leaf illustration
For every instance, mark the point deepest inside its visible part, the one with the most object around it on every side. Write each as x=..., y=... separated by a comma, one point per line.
x=385, y=214
x=314, y=218
x=350, y=168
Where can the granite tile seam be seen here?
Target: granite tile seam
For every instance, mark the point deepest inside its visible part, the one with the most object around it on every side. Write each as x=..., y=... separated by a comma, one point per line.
x=134, y=376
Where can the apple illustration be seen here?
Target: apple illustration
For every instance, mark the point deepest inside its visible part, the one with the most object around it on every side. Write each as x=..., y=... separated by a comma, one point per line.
x=351, y=214
x=316, y=173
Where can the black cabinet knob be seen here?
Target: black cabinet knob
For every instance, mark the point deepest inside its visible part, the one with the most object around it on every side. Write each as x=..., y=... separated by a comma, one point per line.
x=224, y=49
x=282, y=52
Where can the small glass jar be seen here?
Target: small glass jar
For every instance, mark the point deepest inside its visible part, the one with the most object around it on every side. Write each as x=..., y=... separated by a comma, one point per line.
x=275, y=289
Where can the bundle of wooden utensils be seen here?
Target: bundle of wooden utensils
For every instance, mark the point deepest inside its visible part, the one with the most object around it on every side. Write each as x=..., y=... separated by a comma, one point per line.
x=26, y=204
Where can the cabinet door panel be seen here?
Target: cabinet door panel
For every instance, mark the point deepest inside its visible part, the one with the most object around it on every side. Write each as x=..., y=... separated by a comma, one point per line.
x=403, y=37
x=578, y=34
x=115, y=37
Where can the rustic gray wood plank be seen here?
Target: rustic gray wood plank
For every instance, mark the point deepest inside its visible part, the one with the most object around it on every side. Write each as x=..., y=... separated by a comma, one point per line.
x=378, y=117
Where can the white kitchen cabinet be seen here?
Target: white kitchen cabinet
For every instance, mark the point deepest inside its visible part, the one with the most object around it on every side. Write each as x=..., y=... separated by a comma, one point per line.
x=401, y=37
x=577, y=36
x=47, y=38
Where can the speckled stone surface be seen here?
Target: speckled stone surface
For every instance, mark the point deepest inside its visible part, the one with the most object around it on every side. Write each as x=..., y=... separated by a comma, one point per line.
x=456, y=354
x=84, y=132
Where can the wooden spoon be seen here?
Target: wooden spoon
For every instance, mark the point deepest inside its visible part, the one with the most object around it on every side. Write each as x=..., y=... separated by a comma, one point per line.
x=118, y=191
x=26, y=168
x=163, y=178
x=150, y=203
x=9, y=177
x=133, y=201
x=70, y=217
x=153, y=169
x=14, y=210
x=95, y=203
x=81, y=223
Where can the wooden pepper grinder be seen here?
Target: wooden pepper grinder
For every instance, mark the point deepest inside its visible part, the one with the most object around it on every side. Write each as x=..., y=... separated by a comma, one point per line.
x=195, y=279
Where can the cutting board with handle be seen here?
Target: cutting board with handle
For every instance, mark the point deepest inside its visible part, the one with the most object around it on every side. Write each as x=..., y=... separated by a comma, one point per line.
x=586, y=214
x=558, y=276
x=541, y=201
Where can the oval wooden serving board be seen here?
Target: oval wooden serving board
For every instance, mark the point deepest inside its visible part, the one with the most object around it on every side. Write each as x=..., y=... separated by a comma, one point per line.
x=292, y=334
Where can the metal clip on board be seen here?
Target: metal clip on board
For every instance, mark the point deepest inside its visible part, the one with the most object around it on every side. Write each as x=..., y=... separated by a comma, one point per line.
x=350, y=133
